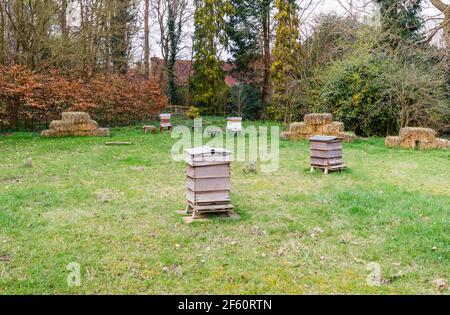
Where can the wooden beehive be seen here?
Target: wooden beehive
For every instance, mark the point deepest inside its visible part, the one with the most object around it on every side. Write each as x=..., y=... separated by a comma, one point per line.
x=208, y=172
x=327, y=154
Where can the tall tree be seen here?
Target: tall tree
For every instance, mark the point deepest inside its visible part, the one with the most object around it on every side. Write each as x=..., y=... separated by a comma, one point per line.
x=2, y=35
x=120, y=40
x=146, y=38
x=286, y=54
x=401, y=21
x=207, y=82
x=267, y=56
x=176, y=17
x=249, y=30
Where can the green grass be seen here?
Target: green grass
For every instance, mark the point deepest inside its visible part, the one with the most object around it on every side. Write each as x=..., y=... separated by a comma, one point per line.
x=113, y=211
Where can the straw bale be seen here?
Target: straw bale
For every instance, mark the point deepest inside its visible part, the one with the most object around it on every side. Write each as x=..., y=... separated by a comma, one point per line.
x=442, y=144
x=393, y=142
x=299, y=136
x=318, y=119
x=76, y=117
x=101, y=132
x=298, y=127
x=75, y=124
x=347, y=136
x=59, y=125
x=86, y=126
x=418, y=134
x=333, y=129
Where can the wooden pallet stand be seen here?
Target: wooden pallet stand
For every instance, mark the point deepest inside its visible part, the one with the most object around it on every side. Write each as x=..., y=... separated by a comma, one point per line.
x=208, y=185
x=327, y=154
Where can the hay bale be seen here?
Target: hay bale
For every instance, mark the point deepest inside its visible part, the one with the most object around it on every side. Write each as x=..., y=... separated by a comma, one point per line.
x=427, y=145
x=298, y=127
x=333, y=129
x=76, y=117
x=299, y=136
x=101, y=132
x=441, y=143
x=418, y=134
x=85, y=126
x=60, y=126
x=318, y=119
x=393, y=142
x=347, y=136
x=75, y=124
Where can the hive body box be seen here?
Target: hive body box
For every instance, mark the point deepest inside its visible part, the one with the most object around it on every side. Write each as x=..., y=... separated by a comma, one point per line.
x=327, y=154
x=208, y=172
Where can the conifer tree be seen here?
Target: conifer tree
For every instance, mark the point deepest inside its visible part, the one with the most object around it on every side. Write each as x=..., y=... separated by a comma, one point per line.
x=207, y=82
x=286, y=53
x=401, y=21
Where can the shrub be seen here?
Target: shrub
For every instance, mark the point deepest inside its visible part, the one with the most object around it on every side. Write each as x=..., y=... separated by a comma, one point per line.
x=245, y=102
x=28, y=99
x=376, y=94
x=193, y=113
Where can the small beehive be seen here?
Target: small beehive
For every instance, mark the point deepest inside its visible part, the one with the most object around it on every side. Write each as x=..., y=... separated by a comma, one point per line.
x=208, y=172
x=165, y=122
x=327, y=154
x=234, y=125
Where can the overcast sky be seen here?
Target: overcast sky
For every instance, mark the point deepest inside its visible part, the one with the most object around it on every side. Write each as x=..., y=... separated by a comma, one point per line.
x=317, y=7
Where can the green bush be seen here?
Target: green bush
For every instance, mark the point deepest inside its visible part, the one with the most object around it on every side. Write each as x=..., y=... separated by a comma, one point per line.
x=376, y=94
x=245, y=101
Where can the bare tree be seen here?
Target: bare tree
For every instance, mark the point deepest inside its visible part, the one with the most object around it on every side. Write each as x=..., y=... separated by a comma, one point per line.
x=445, y=25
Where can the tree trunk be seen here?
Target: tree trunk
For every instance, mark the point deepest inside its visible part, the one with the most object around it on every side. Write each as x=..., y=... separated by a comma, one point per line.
x=63, y=19
x=266, y=53
x=146, y=38
x=2, y=36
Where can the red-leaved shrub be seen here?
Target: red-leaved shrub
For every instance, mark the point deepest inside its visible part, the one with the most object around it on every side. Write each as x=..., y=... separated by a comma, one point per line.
x=31, y=100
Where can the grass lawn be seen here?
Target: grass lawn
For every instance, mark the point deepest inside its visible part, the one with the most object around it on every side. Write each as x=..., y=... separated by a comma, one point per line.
x=113, y=211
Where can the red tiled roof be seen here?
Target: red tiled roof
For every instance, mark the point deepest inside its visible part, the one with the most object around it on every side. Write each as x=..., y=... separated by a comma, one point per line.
x=183, y=71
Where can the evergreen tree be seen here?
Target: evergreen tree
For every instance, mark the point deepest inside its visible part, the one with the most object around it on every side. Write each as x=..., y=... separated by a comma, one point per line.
x=174, y=35
x=243, y=35
x=249, y=35
x=120, y=40
x=401, y=21
x=207, y=82
x=287, y=53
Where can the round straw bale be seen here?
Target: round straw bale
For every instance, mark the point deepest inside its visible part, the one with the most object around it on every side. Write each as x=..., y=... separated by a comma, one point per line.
x=318, y=119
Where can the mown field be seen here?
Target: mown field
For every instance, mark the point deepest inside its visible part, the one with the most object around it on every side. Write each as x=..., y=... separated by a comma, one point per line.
x=113, y=210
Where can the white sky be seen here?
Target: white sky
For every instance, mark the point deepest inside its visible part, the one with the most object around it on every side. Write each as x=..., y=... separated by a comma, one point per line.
x=317, y=7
